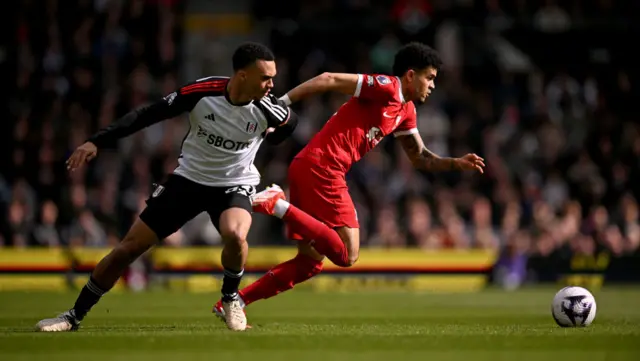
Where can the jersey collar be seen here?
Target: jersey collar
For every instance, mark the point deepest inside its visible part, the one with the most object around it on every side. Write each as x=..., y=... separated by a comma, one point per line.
x=228, y=98
x=400, y=90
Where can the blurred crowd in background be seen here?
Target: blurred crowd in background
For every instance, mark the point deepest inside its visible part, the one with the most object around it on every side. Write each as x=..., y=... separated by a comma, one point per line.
x=556, y=125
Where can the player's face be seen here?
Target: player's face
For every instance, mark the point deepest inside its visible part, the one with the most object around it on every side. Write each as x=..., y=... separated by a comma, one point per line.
x=258, y=78
x=422, y=83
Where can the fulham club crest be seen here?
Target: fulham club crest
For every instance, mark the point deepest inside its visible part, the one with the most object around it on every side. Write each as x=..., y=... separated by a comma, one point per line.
x=251, y=127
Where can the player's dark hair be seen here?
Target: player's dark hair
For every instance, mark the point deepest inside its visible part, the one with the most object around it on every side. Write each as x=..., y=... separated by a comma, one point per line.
x=416, y=56
x=247, y=54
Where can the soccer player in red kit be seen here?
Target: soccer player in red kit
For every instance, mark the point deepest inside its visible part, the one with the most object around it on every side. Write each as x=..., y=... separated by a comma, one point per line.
x=320, y=214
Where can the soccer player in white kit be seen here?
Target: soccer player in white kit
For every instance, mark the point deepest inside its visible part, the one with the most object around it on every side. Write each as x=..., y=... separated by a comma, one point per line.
x=229, y=119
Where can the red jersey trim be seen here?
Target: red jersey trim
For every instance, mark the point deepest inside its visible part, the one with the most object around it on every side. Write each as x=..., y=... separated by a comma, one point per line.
x=207, y=86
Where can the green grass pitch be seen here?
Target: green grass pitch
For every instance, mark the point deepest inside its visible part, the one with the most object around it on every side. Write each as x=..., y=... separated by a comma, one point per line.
x=302, y=325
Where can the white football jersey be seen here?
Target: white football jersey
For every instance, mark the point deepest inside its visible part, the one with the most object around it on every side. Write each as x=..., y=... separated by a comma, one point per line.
x=223, y=139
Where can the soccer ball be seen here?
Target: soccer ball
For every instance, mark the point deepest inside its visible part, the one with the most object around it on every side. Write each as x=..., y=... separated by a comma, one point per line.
x=573, y=307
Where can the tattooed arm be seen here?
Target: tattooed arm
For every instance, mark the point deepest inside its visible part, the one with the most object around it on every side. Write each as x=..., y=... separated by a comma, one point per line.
x=423, y=158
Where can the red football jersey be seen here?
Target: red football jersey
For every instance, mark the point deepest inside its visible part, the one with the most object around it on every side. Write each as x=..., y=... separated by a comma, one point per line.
x=376, y=109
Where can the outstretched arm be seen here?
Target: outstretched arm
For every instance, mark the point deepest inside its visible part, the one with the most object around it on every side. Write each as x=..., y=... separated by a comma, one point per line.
x=130, y=123
x=338, y=82
x=423, y=158
x=134, y=121
x=170, y=106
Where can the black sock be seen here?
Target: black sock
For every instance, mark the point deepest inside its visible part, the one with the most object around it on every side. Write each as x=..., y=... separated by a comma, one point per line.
x=89, y=296
x=230, y=284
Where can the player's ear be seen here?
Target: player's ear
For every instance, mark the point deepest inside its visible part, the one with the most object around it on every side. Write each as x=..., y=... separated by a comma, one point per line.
x=410, y=74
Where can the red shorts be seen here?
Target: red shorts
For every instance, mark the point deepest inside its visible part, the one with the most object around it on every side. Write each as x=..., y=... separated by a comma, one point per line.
x=321, y=194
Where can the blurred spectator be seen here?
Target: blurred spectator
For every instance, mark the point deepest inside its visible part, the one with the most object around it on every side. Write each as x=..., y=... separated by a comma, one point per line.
x=46, y=233
x=387, y=232
x=552, y=18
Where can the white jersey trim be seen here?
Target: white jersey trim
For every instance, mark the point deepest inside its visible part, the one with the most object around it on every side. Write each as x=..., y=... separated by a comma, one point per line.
x=358, y=86
x=277, y=111
x=406, y=132
x=400, y=95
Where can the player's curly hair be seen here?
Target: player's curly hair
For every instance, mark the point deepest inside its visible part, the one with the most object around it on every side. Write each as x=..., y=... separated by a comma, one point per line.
x=416, y=56
x=247, y=54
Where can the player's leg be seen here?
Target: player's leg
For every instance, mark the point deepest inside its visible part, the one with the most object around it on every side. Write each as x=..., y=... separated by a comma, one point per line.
x=168, y=209
x=305, y=265
x=305, y=249
x=234, y=227
x=334, y=208
x=351, y=239
x=231, y=216
x=310, y=194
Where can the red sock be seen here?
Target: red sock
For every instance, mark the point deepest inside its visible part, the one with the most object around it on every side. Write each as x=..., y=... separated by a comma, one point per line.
x=326, y=240
x=281, y=278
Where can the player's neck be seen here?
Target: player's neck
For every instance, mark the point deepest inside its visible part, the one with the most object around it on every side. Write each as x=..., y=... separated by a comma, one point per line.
x=404, y=90
x=233, y=94
x=405, y=96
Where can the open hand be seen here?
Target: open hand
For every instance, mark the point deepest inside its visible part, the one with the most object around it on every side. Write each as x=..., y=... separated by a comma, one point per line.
x=470, y=162
x=83, y=154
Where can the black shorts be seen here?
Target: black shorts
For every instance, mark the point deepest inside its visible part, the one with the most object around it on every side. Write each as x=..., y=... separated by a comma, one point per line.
x=179, y=200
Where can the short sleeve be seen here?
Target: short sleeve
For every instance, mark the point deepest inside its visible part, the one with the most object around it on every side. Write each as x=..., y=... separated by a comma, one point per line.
x=376, y=87
x=410, y=123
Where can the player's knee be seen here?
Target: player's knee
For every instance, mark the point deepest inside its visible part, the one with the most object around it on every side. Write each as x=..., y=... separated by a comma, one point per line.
x=234, y=226
x=352, y=259
x=346, y=262
x=351, y=239
x=234, y=238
